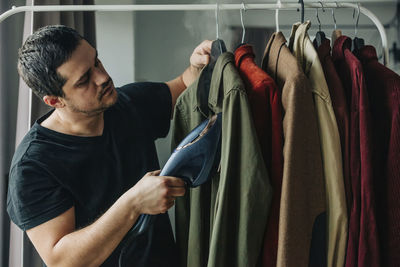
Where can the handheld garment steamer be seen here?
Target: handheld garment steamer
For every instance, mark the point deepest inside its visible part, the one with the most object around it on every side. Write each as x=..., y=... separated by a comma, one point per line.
x=193, y=160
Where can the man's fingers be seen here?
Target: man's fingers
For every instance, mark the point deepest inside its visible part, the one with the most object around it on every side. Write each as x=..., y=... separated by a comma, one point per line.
x=203, y=48
x=205, y=59
x=176, y=191
x=173, y=181
x=153, y=173
x=199, y=61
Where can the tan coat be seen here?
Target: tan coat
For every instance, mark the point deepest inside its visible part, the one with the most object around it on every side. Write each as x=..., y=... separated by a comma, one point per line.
x=303, y=186
x=303, y=49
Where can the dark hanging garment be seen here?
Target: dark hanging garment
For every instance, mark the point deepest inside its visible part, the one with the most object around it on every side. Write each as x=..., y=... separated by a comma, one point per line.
x=265, y=103
x=339, y=104
x=383, y=86
x=363, y=242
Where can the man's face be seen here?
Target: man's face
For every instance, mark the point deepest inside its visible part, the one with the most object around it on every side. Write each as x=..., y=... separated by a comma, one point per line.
x=88, y=88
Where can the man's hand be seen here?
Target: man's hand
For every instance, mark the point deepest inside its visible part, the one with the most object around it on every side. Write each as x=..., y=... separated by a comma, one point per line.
x=156, y=194
x=199, y=58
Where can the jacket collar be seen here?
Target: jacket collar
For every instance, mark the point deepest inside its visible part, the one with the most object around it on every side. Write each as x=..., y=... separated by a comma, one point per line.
x=272, y=55
x=295, y=26
x=341, y=44
x=367, y=54
x=324, y=50
x=214, y=97
x=297, y=41
x=242, y=52
x=307, y=56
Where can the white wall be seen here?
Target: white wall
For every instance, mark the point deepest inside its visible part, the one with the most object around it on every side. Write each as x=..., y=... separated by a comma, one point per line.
x=114, y=34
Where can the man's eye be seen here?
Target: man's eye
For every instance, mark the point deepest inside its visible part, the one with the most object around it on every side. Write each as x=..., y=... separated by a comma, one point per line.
x=96, y=64
x=83, y=83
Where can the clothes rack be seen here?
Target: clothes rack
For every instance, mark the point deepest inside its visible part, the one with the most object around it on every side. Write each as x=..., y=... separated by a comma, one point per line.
x=188, y=7
x=210, y=7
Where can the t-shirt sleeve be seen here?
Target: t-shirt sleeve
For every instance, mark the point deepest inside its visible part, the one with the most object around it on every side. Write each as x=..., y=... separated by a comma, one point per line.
x=34, y=196
x=153, y=103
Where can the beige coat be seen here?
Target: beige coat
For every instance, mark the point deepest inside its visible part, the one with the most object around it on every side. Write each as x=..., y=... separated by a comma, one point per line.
x=303, y=187
x=303, y=49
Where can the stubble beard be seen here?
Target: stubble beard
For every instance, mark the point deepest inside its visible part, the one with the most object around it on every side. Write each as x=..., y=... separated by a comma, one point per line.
x=93, y=112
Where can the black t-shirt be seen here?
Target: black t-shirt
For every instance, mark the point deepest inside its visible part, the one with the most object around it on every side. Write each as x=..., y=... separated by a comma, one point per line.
x=51, y=172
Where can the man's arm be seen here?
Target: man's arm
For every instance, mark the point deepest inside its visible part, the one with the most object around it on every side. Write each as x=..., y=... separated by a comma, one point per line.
x=199, y=58
x=60, y=244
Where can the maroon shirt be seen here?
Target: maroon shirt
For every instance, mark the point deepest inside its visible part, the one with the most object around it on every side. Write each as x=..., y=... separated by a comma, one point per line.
x=265, y=102
x=383, y=87
x=363, y=242
x=339, y=104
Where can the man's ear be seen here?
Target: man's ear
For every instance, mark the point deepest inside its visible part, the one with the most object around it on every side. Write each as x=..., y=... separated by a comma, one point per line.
x=53, y=101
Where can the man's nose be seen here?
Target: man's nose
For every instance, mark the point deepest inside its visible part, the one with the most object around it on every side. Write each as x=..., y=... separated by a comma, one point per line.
x=100, y=76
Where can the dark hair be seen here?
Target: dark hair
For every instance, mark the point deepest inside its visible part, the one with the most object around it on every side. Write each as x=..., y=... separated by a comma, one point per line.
x=40, y=56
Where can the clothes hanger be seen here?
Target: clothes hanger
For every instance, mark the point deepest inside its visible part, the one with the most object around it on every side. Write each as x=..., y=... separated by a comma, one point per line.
x=243, y=28
x=320, y=36
x=358, y=43
x=336, y=33
x=217, y=48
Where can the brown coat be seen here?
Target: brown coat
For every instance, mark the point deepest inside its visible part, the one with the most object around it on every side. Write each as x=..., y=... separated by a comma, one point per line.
x=303, y=49
x=303, y=198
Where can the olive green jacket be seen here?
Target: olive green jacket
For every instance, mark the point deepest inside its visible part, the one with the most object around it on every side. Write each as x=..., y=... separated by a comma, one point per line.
x=222, y=223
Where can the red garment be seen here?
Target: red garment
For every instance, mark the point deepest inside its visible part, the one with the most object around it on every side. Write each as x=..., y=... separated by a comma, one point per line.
x=383, y=87
x=363, y=242
x=339, y=104
x=265, y=102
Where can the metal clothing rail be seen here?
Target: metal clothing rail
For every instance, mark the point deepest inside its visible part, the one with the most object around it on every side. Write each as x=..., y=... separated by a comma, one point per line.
x=188, y=7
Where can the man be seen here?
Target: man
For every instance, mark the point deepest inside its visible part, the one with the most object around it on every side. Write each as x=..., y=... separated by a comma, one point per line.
x=76, y=183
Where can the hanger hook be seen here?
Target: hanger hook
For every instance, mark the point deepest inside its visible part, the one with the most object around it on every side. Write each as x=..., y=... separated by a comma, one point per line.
x=302, y=10
x=358, y=17
x=319, y=22
x=241, y=20
x=217, y=19
x=316, y=13
x=323, y=10
x=322, y=6
x=279, y=5
x=333, y=15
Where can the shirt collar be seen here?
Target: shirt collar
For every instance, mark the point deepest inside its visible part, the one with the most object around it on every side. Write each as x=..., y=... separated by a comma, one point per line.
x=214, y=95
x=367, y=53
x=272, y=54
x=295, y=26
x=324, y=49
x=341, y=44
x=242, y=52
x=297, y=41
